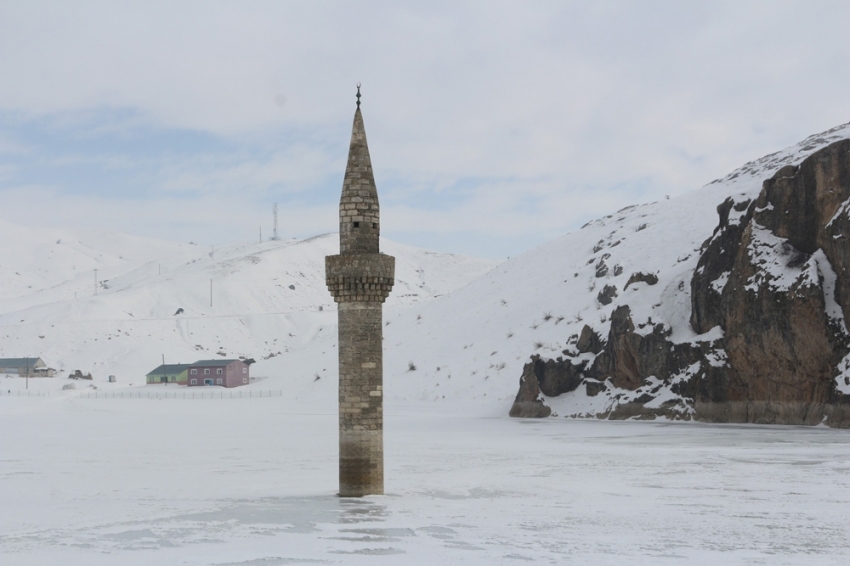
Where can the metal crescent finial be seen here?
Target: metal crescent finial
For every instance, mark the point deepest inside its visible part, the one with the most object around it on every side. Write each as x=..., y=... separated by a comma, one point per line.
x=358, y=95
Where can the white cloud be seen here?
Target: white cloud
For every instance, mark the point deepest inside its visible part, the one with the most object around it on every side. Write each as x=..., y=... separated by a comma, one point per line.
x=569, y=105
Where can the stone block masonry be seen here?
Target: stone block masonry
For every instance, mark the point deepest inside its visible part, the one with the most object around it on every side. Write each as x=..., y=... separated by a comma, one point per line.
x=360, y=278
x=360, y=283
x=361, y=407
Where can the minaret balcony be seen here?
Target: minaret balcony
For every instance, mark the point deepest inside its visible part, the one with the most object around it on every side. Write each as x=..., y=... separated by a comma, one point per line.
x=360, y=277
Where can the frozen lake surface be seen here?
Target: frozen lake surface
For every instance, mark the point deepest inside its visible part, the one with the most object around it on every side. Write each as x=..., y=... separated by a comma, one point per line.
x=252, y=482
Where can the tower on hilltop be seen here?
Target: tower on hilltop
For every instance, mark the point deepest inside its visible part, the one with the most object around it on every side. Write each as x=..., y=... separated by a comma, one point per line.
x=360, y=278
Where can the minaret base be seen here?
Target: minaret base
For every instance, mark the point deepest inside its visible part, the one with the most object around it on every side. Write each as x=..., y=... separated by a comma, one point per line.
x=361, y=463
x=361, y=399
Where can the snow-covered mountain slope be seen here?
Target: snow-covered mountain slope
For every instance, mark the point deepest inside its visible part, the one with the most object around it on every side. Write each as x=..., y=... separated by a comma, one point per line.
x=474, y=342
x=268, y=299
x=40, y=264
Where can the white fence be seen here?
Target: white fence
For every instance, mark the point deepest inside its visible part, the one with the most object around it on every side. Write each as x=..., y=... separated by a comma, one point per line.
x=24, y=393
x=198, y=393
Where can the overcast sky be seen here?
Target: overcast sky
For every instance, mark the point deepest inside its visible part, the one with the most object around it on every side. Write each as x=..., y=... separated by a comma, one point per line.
x=493, y=126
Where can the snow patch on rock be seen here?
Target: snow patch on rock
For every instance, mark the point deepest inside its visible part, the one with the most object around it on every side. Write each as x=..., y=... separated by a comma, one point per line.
x=827, y=273
x=774, y=259
x=842, y=380
x=843, y=210
x=720, y=283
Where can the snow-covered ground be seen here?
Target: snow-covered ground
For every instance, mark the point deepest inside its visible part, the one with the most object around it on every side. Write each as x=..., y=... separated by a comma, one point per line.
x=252, y=482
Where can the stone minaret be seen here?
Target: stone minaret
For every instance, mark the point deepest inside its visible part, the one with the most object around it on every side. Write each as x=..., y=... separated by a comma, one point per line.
x=360, y=279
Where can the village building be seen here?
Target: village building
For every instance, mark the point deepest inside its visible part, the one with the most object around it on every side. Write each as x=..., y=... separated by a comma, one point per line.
x=25, y=367
x=222, y=373
x=169, y=373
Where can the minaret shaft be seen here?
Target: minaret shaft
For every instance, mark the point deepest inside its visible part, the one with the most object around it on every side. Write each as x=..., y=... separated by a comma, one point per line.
x=360, y=279
x=361, y=408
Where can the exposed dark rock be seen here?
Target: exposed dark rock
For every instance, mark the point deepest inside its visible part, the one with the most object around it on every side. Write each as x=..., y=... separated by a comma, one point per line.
x=589, y=341
x=639, y=411
x=782, y=344
x=640, y=277
x=716, y=262
x=601, y=269
x=556, y=377
x=607, y=294
x=817, y=194
x=780, y=337
x=80, y=375
x=629, y=357
x=594, y=388
x=528, y=403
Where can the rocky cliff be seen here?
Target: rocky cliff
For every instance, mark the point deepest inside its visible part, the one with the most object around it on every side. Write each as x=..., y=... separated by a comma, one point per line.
x=769, y=299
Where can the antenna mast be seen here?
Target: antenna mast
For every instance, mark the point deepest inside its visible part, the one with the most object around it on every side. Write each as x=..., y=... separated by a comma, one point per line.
x=274, y=235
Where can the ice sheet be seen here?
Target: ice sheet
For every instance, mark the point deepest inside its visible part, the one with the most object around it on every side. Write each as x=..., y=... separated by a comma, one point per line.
x=252, y=482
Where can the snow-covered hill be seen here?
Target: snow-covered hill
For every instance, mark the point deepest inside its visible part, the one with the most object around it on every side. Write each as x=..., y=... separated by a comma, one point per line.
x=263, y=300
x=40, y=265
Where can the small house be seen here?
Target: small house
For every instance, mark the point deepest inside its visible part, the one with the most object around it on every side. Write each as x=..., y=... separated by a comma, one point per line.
x=23, y=367
x=169, y=373
x=223, y=373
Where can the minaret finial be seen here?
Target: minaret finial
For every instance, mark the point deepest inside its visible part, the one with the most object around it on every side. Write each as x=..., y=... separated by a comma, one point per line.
x=358, y=95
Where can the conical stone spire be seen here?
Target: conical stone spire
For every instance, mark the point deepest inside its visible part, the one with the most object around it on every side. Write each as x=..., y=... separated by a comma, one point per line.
x=360, y=279
x=359, y=221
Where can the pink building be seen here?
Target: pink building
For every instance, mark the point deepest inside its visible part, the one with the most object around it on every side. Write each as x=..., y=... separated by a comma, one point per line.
x=221, y=373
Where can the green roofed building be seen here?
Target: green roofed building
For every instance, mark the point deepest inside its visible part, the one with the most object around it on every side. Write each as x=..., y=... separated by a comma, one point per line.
x=169, y=373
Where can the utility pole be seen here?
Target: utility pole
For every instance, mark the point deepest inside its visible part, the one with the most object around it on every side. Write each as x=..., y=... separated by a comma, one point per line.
x=165, y=375
x=274, y=235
